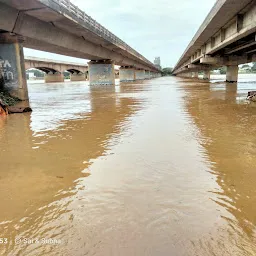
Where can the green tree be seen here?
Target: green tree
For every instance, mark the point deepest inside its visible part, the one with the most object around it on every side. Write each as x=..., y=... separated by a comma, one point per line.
x=223, y=70
x=167, y=71
x=66, y=74
x=253, y=68
x=246, y=66
x=37, y=72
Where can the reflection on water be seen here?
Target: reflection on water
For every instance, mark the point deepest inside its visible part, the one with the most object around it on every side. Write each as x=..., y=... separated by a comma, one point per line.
x=160, y=167
x=226, y=122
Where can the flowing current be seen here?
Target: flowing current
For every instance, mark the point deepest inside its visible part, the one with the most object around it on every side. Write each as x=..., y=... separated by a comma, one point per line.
x=160, y=167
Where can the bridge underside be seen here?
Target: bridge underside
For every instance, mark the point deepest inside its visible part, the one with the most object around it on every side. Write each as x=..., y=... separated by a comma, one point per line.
x=13, y=66
x=51, y=26
x=232, y=41
x=62, y=34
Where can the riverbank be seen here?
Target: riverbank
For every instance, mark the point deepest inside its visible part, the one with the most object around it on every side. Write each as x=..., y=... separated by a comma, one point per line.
x=7, y=99
x=11, y=105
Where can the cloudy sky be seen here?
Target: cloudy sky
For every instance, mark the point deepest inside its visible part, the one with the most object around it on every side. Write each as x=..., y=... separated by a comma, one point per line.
x=152, y=27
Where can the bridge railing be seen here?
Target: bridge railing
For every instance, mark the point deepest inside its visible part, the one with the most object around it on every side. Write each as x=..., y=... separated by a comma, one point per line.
x=97, y=28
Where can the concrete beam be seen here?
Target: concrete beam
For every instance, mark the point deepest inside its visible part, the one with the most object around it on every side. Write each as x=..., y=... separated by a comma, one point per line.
x=211, y=60
x=198, y=67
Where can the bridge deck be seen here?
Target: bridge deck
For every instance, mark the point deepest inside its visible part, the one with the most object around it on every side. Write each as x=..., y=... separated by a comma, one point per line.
x=221, y=28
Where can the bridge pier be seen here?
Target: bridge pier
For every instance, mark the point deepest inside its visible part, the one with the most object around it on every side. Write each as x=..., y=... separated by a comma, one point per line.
x=54, y=77
x=139, y=74
x=127, y=74
x=76, y=77
x=206, y=75
x=195, y=74
x=147, y=74
x=12, y=67
x=186, y=75
x=232, y=74
x=101, y=72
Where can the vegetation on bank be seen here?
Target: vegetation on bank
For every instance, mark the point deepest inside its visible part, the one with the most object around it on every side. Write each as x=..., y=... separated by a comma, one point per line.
x=245, y=69
x=37, y=73
x=222, y=70
x=248, y=68
x=5, y=98
x=167, y=71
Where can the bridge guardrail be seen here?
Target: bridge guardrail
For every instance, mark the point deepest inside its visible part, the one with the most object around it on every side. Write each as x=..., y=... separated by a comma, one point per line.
x=97, y=28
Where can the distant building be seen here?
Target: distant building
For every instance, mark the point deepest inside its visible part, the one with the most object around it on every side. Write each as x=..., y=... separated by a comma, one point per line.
x=157, y=62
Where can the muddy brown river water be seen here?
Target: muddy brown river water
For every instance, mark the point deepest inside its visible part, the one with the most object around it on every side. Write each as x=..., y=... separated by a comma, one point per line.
x=161, y=167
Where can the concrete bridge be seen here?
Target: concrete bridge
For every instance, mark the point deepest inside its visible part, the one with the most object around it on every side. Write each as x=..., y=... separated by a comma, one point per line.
x=54, y=69
x=60, y=27
x=226, y=38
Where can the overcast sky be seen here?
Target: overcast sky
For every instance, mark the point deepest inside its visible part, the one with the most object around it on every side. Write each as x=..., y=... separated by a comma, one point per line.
x=152, y=27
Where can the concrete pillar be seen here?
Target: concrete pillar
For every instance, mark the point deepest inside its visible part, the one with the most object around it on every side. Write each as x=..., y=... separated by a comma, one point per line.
x=12, y=66
x=195, y=74
x=54, y=78
x=232, y=74
x=206, y=75
x=101, y=72
x=78, y=77
x=147, y=74
x=139, y=74
x=126, y=74
x=186, y=75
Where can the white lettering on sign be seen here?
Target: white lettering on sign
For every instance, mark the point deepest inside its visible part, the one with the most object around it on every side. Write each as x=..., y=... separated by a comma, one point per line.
x=9, y=75
x=5, y=65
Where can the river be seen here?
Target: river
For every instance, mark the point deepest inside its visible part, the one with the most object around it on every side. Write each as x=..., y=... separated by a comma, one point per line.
x=160, y=167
